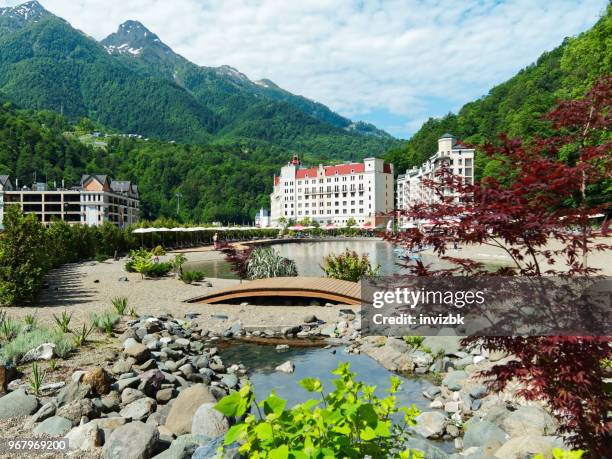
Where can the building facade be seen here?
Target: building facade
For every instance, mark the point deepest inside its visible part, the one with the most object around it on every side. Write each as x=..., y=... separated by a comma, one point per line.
x=97, y=200
x=333, y=194
x=452, y=154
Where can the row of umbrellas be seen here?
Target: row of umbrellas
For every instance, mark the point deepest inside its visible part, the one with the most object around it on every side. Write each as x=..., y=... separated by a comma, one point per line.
x=298, y=227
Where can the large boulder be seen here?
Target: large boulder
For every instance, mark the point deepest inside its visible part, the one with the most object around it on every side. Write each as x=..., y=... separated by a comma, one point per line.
x=99, y=380
x=430, y=424
x=55, y=426
x=208, y=421
x=184, y=407
x=485, y=434
x=529, y=420
x=135, y=440
x=528, y=445
x=17, y=404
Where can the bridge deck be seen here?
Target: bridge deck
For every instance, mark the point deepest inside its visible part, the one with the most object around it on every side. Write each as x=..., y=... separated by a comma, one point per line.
x=340, y=291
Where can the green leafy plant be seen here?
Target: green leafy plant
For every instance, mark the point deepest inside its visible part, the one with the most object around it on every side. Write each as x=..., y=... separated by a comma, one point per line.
x=191, y=276
x=349, y=422
x=101, y=257
x=53, y=365
x=178, y=262
x=558, y=453
x=80, y=337
x=15, y=349
x=158, y=251
x=105, y=322
x=63, y=321
x=9, y=329
x=158, y=269
x=349, y=266
x=266, y=262
x=133, y=313
x=30, y=320
x=120, y=304
x=414, y=341
x=37, y=378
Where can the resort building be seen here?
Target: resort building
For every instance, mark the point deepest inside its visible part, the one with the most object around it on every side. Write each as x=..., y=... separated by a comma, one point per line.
x=452, y=154
x=97, y=200
x=333, y=194
x=262, y=218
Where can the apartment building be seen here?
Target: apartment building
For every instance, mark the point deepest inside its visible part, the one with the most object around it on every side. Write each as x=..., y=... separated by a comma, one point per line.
x=451, y=153
x=96, y=200
x=334, y=194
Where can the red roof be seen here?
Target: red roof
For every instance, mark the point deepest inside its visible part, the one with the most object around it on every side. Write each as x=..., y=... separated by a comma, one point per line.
x=277, y=180
x=341, y=169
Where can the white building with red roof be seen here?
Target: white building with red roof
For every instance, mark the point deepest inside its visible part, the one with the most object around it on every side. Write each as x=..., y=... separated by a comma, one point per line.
x=333, y=194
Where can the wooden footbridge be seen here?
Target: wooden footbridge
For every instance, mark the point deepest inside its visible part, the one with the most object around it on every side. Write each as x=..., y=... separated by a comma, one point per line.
x=338, y=291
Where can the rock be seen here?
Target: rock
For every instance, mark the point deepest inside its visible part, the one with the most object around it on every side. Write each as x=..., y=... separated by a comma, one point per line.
x=139, y=352
x=99, y=380
x=85, y=437
x=431, y=392
x=76, y=409
x=209, y=451
x=461, y=363
x=129, y=342
x=45, y=351
x=453, y=379
x=55, y=426
x=328, y=330
x=208, y=421
x=110, y=402
x=287, y=367
x=437, y=404
x=135, y=440
x=429, y=450
x=478, y=359
x=71, y=392
x=529, y=445
x=45, y=411
x=17, y=404
x=447, y=344
x=178, y=450
x=282, y=348
x=184, y=407
x=121, y=366
x=109, y=424
x=484, y=433
x=476, y=404
x=310, y=319
x=130, y=395
x=529, y=420
x=164, y=395
x=452, y=430
x=421, y=359
x=430, y=424
x=151, y=381
x=451, y=407
x=122, y=384
x=139, y=410
x=77, y=376
x=186, y=369
x=478, y=391
x=230, y=380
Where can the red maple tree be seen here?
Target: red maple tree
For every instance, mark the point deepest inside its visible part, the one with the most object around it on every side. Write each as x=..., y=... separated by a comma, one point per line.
x=539, y=210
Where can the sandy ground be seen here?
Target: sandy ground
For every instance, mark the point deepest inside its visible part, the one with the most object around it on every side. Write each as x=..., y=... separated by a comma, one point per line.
x=86, y=288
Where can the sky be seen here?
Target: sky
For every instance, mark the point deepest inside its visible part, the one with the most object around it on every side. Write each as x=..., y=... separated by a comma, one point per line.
x=393, y=63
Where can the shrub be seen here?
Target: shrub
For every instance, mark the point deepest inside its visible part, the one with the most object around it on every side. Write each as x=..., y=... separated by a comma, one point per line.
x=158, y=251
x=15, y=349
x=120, y=304
x=9, y=328
x=37, y=378
x=101, y=257
x=266, y=262
x=63, y=321
x=349, y=266
x=30, y=320
x=158, y=269
x=414, y=341
x=191, y=276
x=105, y=322
x=350, y=422
x=178, y=262
x=80, y=337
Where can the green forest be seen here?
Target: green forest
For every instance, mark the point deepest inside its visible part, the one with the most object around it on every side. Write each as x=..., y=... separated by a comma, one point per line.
x=517, y=105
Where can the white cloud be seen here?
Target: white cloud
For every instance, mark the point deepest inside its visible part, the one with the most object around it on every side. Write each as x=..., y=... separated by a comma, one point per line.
x=356, y=56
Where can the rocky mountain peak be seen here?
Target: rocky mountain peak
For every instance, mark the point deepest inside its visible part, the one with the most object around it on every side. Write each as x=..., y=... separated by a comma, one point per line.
x=27, y=12
x=132, y=37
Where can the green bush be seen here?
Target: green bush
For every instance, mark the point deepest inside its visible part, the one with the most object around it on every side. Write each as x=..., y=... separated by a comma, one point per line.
x=191, y=276
x=350, y=422
x=266, y=262
x=158, y=251
x=349, y=266
x=15, y=349
x=9, y=328
x=158, y=269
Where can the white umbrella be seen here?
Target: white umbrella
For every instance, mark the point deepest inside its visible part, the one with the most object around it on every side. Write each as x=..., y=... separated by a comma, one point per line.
x=141, y=230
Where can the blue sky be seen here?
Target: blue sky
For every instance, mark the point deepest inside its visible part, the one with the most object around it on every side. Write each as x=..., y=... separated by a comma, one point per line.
x=393, y=63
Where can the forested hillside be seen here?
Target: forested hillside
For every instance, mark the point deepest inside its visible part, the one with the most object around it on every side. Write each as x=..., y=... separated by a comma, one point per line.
x=517, y=105
x=133, y=83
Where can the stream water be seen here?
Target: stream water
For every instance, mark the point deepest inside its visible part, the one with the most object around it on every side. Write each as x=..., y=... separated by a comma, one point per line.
x=261, y=360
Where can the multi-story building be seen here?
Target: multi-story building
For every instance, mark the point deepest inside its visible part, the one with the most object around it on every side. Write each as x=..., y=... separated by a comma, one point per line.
x=452, y=154
x=334, y=194
x=98, y=199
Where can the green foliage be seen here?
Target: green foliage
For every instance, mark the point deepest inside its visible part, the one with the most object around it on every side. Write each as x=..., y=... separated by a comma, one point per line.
x=101, y=257
x=349, y=422
x=37, y=378
x=158, y=269
x=414, y=341
x=558, y=453
x=178, y=262
x=120, y=305
x=30, y=320
x=21, y=343
x=23, y=260
x=9, y=328
x=158, y=251
x=81, y=336
x=63, y=321
x=191, y=276
x=349, y=266
x=266, y=262
x=53, y=365
x=105, y=322
x=351, y=222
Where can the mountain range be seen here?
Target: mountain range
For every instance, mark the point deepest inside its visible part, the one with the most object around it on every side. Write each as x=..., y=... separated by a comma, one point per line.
x=132, y=82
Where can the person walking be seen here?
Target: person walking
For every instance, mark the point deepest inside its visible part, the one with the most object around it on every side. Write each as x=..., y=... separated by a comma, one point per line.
x=215, y=238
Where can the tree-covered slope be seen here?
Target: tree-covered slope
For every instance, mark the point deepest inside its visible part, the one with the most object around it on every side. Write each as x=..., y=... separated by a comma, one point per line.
x=517, y=105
